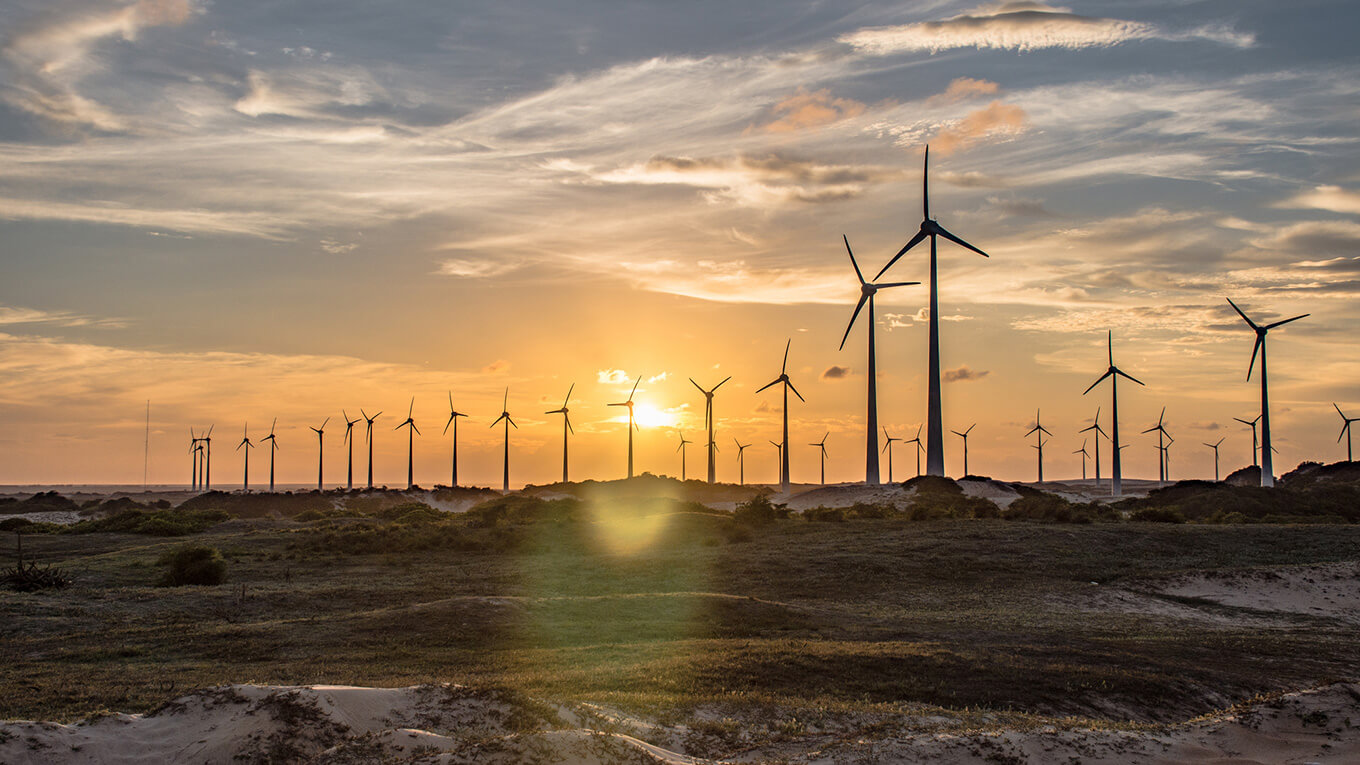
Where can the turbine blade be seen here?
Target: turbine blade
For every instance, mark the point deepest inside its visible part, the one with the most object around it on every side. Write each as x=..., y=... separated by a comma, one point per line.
x=1259, y=342
x=697, y=385
x=1121, y=373
x=942, y=232
x=447, y=424
x=412, y=408
x=858, y=307
x=567, y=400
x=895, y=284
x=569, y=427
x=784, y=368
x=915, y=240
x=1286, y=321
x=776, y=382
x=796, y=393
x=1097, y=382
x=719, y=385
x=498, y=420
x=630, y=395
x=1249, y=322
x=925, y=185
x=512, y=423
x=1109, y=344
x=859, y=275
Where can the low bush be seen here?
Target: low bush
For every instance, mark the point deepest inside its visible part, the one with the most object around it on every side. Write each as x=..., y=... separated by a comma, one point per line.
x=1157, y=515
x=193, y=565
x=160, y=523
x=758, y=511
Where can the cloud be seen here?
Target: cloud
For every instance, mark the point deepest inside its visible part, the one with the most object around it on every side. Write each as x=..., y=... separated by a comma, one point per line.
x=757, y=180
x=10, y=315
x=962, y=89
x=337, y=248
x=994, y=119
x=656, y=378
x=964, y=374
x=496, y=367
x=1024, y=27
x=922, y=315
x=807, y=110
x=836, y=373
x=612, y=377
x=474, y=269
x=1330, y=198
x=1020, y=207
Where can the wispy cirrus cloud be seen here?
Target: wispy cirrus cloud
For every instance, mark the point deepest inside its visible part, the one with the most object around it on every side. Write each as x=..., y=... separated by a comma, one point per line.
x=807, y=110
x=1329, y=198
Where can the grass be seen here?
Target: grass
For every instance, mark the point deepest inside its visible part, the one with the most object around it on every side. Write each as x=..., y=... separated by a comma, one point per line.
x=669, y=613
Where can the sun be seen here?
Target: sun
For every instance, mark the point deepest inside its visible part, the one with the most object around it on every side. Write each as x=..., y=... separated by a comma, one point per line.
x=648, y=416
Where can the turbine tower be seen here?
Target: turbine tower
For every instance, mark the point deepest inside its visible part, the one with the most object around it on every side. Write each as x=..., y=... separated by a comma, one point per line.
x=1097, y=432
x=932, y=230
x=964, y=436
x=1161, y=449
x=453, y=420
x=741, y=462
x=349, y=439
x=1114, y=373
x=822, y=446
x=273, y=447
x=867, y=290
x=505, y=415
x=788, y=385
x=708, y=421
x=887, y=447
x=410, y=444
x=1084, y=456
x=320, y=450
x=206, y=483
x=1039, y=431
x=369, y=437
x=1215, y=446
x=1267, y=464
x=919, y=449
x=245, y=441
x=193, y=453
x=566, y=427
x=1166, y=457
x=780, y=459
x=681, y=448
x=1345, y=430
x=631, y=425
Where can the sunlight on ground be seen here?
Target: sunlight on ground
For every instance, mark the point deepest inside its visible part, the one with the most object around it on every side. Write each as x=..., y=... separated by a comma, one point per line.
x=621, y=530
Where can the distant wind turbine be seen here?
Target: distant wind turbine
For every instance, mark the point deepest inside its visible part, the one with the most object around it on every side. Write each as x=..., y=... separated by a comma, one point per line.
x=193, y=453
x=681, y=448
x=505, y=415
x=631, y=425
x=1267, y=463
x=349, y=439
x=1160, y=430
x=368, y=436
x=245, y=441
x=741, y=462
x=708, y=422
x=320, y=450
x=453, y=420
x=780, y=458
x=1084, y=455
x=199, y=450
x=888, y=441
x=566, y=427
x=1215, y=446
x=273, y=447
x=1097, y=432
x=964, y=436
x=1345, y=430
x=1166, y=458
x=919, y=449
x=410, y=444
x=788, y=385
x=867, y=290
x=1255, y=445
x=207, y=459
x=1114, y=373
x=821, y=445
x=1039, y=431
x=933, y=230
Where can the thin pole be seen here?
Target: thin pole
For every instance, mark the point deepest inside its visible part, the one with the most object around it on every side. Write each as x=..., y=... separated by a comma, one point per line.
x=934, y=418
x=871, y=447
x=146, y=449
x=1267, y=459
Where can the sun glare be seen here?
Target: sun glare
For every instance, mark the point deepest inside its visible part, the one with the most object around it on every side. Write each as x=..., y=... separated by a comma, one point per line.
x=648, y=416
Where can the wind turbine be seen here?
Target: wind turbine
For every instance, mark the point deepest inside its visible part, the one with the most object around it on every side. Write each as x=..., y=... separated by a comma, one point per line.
x=410, y=444
x=708, y=421
x=199, y=451
x=207, y=459
x=780, y=458
x=822, y=446
x=681, y=448
x=867, y=290
x=964, y=436
x=1161, y=453
x=505, y=415
x=320, y=450
x=566, y=426
x=349, y=431
x=887, y=447
x=788, y=385
x=193, y=452
x=273, y=447
x=1345, y=430
x=453, y=420
x=245, y=441
x=1166, y=457
x=1267, y=464
x=932, y=230
x=1098, y=432
x=1254, y=444
x=741, y=462
x=368, y=436
x=1038, y=431
x=919, y=448
x=1084, y=455
x=1215, y=446
x=1114, y=373
x=631, y=425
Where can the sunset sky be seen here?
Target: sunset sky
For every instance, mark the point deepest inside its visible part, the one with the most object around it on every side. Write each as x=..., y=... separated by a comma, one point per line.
x=248, y=210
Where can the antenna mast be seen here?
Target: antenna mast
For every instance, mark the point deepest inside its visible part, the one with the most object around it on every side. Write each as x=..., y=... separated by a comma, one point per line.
x=146, y=448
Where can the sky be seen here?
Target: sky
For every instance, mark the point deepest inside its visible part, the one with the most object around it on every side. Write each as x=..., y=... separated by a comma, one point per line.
x=255, y=210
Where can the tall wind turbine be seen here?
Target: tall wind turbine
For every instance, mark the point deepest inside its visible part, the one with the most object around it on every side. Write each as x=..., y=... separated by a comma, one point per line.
x=741, y=462
x=788, y=385
x=932, y=230
x=888, y=441
x=245, y=441
x=368, y=436
x=822, y=446
x=566, y=427
x=708, y=421
x=1097, y=432
x=207, y=459
x=1084, y=456
x=780, y=459
x=631, y=425
x=320, y=450
x=1166, y=457
x=1345, y=430
x=1215, y=446
x=1161, y=449
x=867, y=290
x=193, y=452
x=1267, y=464
x=453, y=420
x=681, y=448
x=1255, y=447
x=349, y=439
x=964, y=436
x=1038, y=431
x=1114, y=373
x=919, y=449
x=505, y=415
x=273, y=447
x=410, y=444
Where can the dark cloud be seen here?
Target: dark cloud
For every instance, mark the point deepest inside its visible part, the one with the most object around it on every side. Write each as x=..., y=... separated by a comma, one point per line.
x=964, y=374
x=836, y=373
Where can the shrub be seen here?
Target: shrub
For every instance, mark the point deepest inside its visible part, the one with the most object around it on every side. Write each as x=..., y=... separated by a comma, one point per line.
x=869, y=510
x=161, y=523
x=757, y=511
x=1157, y=515
x=825, y=514
x=193, y=564
x=1048, y=507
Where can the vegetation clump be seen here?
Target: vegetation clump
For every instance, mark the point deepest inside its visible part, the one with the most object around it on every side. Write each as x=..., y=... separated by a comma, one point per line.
x=193, y=565
x=1051, y=508
x=159, y=523
x=937, y=498
x=759, y=511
